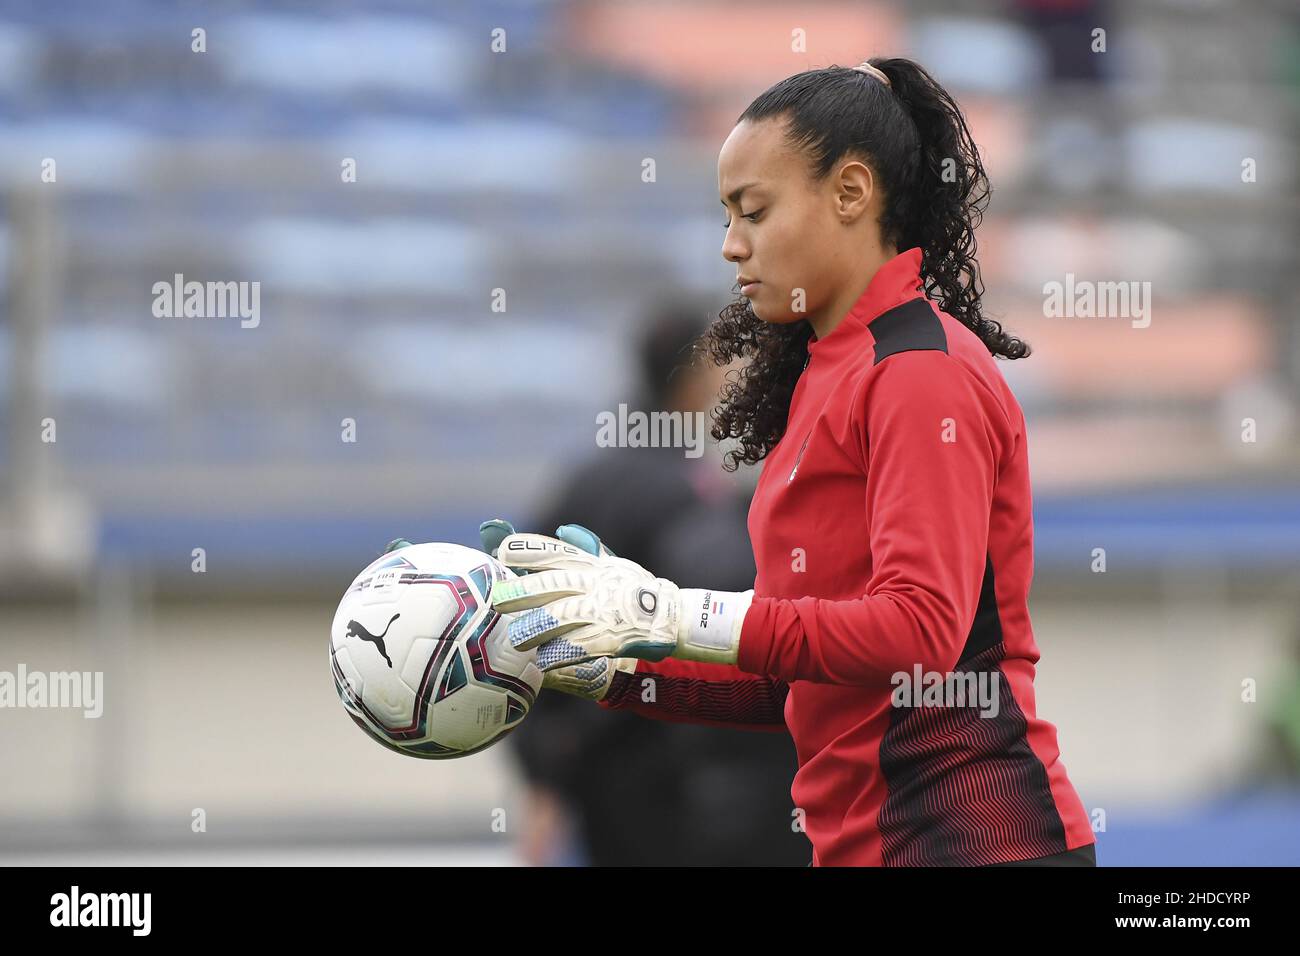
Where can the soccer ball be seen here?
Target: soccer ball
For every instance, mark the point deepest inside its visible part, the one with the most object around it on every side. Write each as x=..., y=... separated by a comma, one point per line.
x=420, y=659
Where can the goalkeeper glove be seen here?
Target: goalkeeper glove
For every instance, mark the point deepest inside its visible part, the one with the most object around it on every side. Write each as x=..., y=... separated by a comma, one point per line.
x=589, y=679
x=581, y=601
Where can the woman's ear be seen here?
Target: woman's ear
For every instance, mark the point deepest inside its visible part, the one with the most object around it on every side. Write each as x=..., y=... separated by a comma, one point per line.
x=855, y=188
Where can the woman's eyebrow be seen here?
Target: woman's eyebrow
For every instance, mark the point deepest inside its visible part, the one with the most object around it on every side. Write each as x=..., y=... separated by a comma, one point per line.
x=736, y=193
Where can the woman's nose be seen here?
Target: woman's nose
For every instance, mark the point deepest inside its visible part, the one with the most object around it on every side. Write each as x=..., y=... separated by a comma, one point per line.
x=733, y=250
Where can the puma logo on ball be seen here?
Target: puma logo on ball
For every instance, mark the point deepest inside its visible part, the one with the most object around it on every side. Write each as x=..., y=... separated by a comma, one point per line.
x=355, y=629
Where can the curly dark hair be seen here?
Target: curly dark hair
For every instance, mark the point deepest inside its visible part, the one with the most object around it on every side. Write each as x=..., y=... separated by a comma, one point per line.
x=915, y=139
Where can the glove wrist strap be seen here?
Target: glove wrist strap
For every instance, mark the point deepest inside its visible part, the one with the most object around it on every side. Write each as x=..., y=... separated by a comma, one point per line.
x=709, y=629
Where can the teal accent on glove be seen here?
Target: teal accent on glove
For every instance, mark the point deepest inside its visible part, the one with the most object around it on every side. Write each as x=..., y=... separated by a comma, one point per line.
x=492, y=532
x=584, y=538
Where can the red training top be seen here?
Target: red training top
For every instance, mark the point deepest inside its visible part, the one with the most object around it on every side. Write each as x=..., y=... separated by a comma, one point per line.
x=893, y=535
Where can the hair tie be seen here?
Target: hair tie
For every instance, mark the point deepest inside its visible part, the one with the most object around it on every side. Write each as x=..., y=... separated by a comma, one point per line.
x=867, y=68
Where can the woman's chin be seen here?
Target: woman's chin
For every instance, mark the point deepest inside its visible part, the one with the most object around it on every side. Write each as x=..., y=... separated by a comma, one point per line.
x=774, y=317
x=763, y=313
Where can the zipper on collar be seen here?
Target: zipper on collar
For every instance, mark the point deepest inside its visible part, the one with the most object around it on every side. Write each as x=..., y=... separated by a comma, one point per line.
x=799, y=457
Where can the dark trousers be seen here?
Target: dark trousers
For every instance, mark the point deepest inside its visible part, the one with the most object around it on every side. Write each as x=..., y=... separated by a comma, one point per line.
x=1079, y=856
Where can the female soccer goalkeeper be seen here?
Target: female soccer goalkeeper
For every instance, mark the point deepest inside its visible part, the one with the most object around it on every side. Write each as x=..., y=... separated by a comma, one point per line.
x=888, y=626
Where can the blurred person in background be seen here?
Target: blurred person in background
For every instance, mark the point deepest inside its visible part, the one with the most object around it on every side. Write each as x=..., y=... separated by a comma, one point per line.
x=1275, y=764
x=1066, y=30
x=618, y=789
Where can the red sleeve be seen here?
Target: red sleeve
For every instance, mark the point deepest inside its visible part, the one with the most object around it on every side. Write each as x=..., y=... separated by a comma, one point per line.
x=932, y=448
x=695, y=693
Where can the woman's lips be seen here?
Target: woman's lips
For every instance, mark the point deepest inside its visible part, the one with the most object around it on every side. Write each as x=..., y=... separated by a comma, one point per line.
x=748, y=287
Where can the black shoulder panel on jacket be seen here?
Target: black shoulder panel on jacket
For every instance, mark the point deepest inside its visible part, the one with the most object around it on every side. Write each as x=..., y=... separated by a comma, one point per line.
x=909, y=327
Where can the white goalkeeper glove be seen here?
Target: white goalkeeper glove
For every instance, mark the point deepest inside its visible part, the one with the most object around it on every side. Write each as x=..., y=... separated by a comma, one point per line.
x=589, y=679
x=579, y=603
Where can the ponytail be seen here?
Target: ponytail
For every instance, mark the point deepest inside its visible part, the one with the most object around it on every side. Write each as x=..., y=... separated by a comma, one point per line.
x=941, y=194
